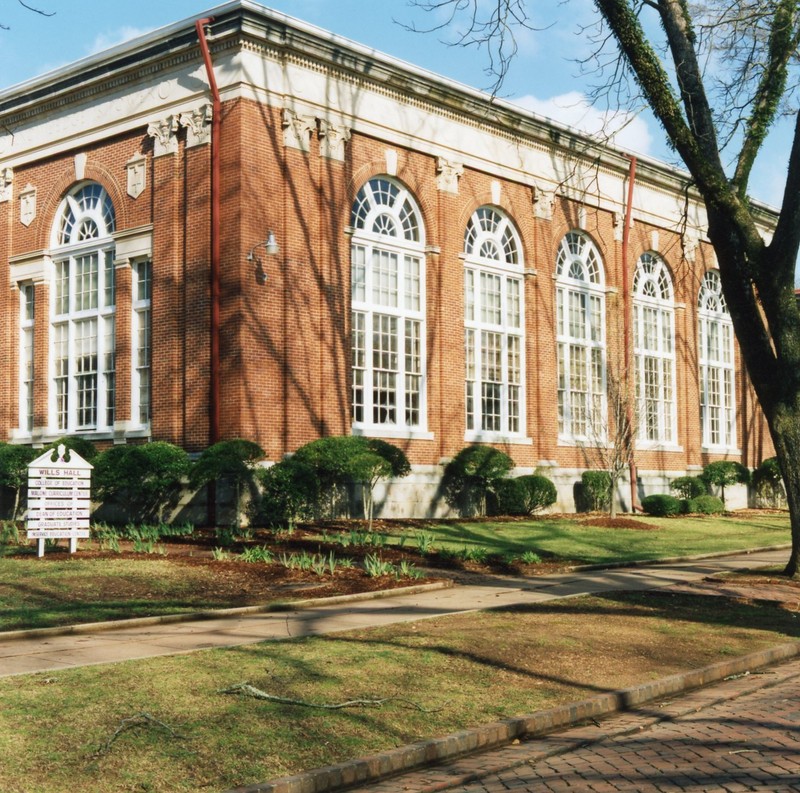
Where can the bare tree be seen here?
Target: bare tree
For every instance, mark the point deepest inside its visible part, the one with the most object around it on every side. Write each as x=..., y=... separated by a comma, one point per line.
x=717, y=76
x=30, y=8
x=612, y=439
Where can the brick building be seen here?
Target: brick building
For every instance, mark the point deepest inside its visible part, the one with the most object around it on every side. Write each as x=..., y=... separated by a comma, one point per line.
x=250, y=227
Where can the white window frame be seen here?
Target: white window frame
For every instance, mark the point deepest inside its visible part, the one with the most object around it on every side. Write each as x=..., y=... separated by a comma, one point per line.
x=580, y=288
x=494, y=329
x=81, y=300
x=654, y=353
x=388, y=328
x=142, y=342
x=717, y=371
x=27, y=347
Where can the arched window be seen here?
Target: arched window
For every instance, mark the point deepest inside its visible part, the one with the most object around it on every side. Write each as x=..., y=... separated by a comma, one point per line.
x=654, y=350
x=494, y=326
x=717, y=399
x=580, y=339
x=82, y=313
x=388, y=309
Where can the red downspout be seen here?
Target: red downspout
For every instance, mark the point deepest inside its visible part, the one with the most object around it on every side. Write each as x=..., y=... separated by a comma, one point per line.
x=626, y=319
x=214, y=368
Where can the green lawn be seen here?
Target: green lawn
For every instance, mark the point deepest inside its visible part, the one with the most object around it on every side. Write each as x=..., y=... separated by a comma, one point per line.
x=570, y=539
x=36, y=594
x=57, y=729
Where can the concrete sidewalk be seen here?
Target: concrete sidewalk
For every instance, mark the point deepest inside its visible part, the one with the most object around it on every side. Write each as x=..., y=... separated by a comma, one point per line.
x=57, y=651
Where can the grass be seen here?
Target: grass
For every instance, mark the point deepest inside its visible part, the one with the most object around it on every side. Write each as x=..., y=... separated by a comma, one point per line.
x=57, y=729
x=36, y=595
x=573, y=540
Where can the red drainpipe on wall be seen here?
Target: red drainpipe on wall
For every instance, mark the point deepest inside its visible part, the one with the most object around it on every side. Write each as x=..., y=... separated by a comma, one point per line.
x=626, y=319
x=214, y=368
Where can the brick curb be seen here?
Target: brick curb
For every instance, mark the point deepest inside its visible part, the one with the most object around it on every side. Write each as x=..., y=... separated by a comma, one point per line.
x=211, y=614
x=378, y=767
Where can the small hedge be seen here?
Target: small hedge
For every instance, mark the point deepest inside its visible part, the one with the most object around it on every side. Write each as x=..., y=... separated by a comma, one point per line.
x=524, y=495
x=596, y=490
x=661, y=505
x=705, y=505
x=688, y=487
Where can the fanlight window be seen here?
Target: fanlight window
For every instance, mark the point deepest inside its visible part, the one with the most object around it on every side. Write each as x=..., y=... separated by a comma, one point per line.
x=86, y=214
x=580, y=340
x=83, y=314
x=717, y=383
x=388, y=310
x=494, y=327
x=654, y=350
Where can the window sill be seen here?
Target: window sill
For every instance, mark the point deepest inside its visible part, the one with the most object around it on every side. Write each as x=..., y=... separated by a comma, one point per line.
x=595, y=443
x=657, y=446
x=471, y=436
x=720, y=450
x=396, y=433
x=47, y=437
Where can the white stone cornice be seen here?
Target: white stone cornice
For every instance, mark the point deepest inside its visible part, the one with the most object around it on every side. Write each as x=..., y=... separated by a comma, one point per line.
x=332, y=139
x=198, y=126
x=33, y=266
x=133, y=244
x=163, y=134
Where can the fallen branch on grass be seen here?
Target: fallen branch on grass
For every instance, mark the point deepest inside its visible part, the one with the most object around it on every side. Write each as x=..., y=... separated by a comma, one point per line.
x=246, y=690
x=140, y=720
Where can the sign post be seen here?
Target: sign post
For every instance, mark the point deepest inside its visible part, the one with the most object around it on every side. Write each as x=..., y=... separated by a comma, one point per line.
x=59, y=498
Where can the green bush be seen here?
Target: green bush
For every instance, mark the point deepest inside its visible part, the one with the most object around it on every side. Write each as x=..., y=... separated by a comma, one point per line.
x=289, y=492
x=661, y=505
x=233, y=461
x=472, y=475
x=768, y=483
x=85, y=448
x=723, y=473
x=596, y=486
x=705, y=505
x=509, y=498
x=687, y=487
x=145, y=479
x=524, y=495
x=14, y=472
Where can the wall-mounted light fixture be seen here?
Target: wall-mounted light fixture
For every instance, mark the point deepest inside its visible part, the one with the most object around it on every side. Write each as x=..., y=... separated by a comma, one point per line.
x=271, y=247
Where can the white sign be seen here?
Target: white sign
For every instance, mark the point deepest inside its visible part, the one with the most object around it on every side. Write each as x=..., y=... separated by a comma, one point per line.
x=59, y=498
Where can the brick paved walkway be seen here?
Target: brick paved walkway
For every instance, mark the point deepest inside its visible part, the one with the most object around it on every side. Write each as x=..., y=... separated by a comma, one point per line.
x=739, y=735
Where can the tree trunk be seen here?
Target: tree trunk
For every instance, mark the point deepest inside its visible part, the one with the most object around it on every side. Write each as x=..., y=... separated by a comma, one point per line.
x=786, y=438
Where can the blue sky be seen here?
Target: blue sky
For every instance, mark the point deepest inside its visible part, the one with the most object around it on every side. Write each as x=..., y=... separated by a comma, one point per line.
x=544, y=79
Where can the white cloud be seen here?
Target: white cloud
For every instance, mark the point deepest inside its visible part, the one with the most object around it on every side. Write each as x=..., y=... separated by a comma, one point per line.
x=574, y=110
x=105, y=41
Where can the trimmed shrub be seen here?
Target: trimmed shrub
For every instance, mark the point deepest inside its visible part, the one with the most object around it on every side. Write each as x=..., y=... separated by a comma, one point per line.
x=85, y=448
x=145, y=479
x=509, y=498
x=538, y=492
x=687, y=487
x=289, y=493
x=14, y=472
x=768, y=483
x=705, y=505
x=723, y=473
x=232, y=461
x=472, y=475
x=661, y=505
x=596, y=489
